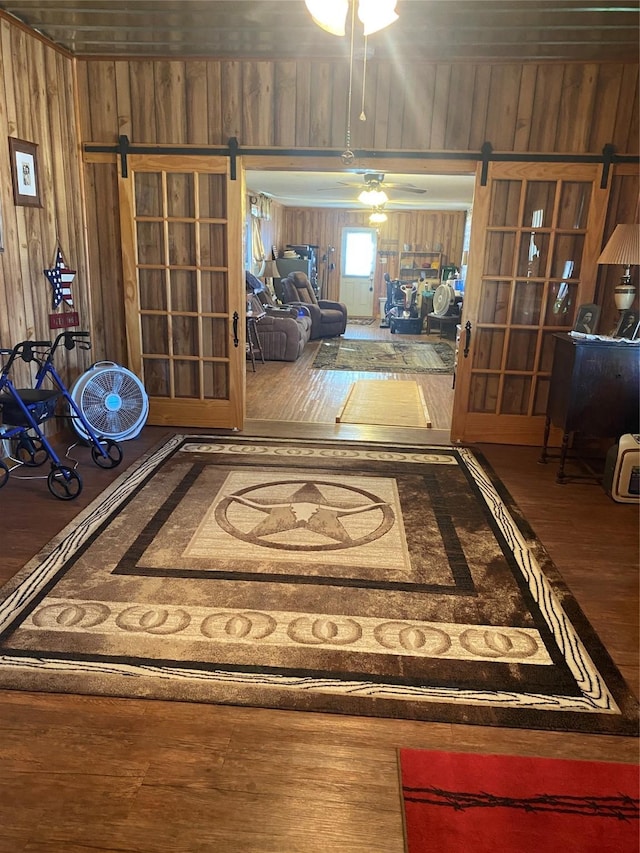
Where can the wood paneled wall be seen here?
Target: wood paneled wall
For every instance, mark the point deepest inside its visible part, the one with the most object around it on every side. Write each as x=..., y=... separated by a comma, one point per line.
x=421, y=229
x=38, y=104
x=410, y=106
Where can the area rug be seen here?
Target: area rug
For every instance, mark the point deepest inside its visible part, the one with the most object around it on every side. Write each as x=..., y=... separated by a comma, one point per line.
x=486, y=803
x=369, y=579
x=385, y=356
x=385, y=402
x=360, y=321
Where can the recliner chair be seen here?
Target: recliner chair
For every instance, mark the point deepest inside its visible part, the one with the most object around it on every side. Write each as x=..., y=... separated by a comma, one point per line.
x=328, y=318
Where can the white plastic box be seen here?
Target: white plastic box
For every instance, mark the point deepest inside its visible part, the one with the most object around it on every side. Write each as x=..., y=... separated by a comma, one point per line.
x=621, y=479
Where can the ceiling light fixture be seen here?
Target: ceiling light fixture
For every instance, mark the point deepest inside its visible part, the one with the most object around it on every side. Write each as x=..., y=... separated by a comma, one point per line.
x=331, y=15
x=373, y=197
x=377, y=217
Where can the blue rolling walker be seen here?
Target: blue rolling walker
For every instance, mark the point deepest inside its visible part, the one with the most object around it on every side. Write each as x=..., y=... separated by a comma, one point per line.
x=24, y=409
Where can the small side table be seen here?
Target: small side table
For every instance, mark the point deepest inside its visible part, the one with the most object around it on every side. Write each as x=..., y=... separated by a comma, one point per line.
x=445, y=322
x=254, y=344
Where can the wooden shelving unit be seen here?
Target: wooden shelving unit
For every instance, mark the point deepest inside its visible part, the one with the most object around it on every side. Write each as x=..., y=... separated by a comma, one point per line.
x=416, y=265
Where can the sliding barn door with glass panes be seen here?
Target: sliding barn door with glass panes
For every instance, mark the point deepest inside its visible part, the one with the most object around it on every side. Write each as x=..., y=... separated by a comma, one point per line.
x=181, y=219
x=535, y=238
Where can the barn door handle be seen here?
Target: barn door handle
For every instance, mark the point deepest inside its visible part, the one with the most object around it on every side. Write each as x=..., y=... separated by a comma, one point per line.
x=467, y=337
x=236, y=317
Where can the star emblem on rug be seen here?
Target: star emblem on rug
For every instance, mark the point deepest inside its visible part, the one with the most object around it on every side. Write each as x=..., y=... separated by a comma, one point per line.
x=60, y=277
x=306, y=508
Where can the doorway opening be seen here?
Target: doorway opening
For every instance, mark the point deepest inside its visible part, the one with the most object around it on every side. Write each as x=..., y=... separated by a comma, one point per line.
x=301, y=391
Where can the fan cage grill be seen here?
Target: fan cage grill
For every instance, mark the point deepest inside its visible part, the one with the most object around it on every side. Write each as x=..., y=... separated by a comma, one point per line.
x=112, y=400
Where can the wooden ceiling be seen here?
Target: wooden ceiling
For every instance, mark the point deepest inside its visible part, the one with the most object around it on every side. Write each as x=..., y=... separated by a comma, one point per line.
x=520, y=30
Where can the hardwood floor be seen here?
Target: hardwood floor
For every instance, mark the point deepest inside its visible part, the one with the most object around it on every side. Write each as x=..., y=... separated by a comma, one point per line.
x=81, y=773
x=295, y=391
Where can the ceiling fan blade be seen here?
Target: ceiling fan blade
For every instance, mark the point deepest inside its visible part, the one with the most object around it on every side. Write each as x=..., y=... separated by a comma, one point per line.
x=406, y=188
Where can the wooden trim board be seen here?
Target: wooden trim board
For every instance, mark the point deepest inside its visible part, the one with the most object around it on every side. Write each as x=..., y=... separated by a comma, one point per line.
x=385, y=402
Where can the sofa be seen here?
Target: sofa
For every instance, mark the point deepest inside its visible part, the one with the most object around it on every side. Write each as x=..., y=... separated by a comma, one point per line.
x=283, y=331
x=328, y=319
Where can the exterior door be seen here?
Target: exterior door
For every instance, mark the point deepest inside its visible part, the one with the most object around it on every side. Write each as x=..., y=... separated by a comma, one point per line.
x=357, y=269
x=536, y=234
x=181, y=220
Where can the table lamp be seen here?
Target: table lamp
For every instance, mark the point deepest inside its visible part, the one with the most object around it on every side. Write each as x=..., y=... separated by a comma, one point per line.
x=271, y=270
x=623, y=248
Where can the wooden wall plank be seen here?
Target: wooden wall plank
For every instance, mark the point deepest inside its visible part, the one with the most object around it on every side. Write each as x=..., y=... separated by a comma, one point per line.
x=284, y=115
x=170, y=98
x=231, y=92
x=579, y=88
x=123, y=98
x=525, y=108
x=502, y=110
x=303, y=103
x=257, y=103
x=544, y=116
x=213, y=104
x=143, y=101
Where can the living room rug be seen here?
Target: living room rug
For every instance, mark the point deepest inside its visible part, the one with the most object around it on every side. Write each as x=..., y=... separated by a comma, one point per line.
x=486, y=803
x=385, y=402
x=385, y=356
x=370, y=579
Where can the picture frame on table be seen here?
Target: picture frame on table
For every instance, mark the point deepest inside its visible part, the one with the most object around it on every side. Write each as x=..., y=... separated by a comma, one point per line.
x=587, y=319
x=24, y=172
x=627, y=325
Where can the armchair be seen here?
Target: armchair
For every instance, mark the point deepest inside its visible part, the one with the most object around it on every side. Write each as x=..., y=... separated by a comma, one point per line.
x=283, y=334
x=328, y=319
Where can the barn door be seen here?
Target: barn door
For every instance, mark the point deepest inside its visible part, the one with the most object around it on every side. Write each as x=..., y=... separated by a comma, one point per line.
x=181, y=221
x=536, y=234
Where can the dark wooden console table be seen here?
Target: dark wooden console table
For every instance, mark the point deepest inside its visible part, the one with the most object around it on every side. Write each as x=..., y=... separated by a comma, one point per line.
x=594, y=390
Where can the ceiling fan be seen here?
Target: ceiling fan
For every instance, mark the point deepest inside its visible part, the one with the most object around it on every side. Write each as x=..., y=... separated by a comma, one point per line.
x=376, y=181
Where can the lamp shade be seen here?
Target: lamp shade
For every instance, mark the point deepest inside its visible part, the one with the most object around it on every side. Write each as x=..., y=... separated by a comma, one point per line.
x=329, y=15
x=623, y=246
x=376, y=14
x=271, y=270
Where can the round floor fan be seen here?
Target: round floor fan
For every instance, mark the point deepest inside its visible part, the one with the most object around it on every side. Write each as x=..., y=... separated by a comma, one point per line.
x=112, y=400
x=444, y=300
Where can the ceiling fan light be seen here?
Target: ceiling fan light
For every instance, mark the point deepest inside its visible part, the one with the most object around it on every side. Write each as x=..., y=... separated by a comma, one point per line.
x=376, y=14
x=373, y=197
x=330, y=15
x=377, y=217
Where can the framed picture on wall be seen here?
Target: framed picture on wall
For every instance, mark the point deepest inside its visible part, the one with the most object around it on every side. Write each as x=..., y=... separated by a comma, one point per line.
x=24, y=172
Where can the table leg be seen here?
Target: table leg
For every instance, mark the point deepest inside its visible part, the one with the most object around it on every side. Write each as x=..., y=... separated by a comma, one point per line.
x=545, y=441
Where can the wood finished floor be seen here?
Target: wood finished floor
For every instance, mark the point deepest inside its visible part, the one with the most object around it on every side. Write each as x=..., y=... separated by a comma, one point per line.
x=80, y=774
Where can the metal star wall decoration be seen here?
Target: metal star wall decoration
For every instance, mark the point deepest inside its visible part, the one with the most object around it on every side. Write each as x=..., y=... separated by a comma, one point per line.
x=61, y=277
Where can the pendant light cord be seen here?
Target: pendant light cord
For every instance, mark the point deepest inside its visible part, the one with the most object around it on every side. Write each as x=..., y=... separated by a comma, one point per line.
x=363, y=115
x=347, y=154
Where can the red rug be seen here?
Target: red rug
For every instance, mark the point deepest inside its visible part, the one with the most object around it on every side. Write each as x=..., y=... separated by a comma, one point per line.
x=456, y=802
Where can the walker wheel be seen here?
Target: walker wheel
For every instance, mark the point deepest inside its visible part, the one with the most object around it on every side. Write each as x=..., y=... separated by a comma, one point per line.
x=4, y=474
x=31, y=451
x=113, y=454
x=64, y=483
